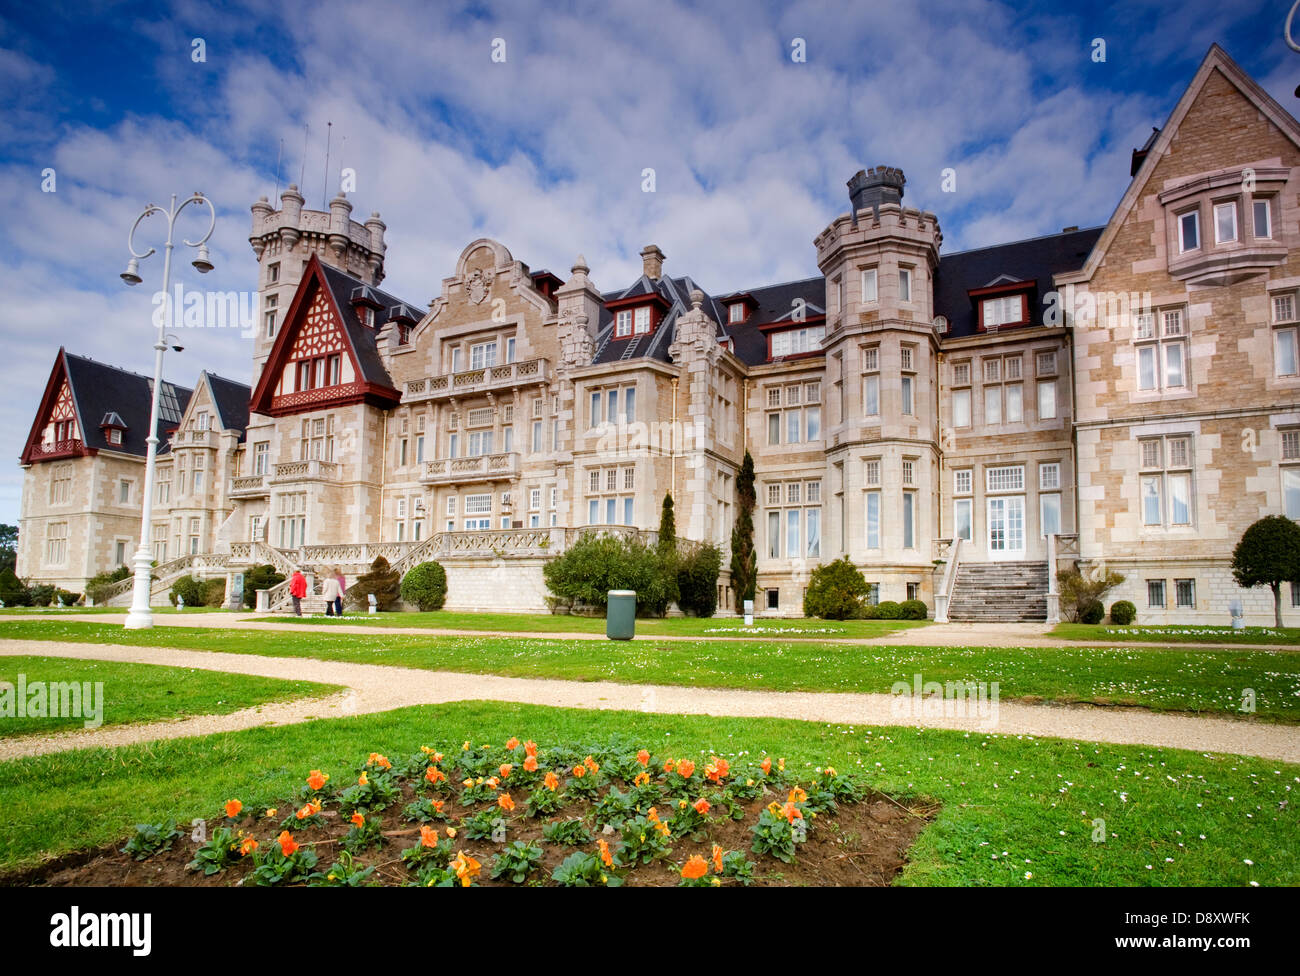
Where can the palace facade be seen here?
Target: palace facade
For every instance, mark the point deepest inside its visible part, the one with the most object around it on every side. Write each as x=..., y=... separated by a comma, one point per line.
x=954, y=423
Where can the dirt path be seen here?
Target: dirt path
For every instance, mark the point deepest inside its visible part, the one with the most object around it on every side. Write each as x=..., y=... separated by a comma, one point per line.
x=935, y=635
x=377, y=688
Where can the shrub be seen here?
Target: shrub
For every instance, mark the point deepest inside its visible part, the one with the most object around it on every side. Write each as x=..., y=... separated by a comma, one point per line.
x=868, y=611
x=67, y=596
x=214, y=592
x=382, y=581
x=913, y=610
x=836, y=591
x=425, y=586
x=889, y=610
x=259, y=578
x=598, y=563
x=1123, y=612
x=1079, y=592
x=1093, y=613
x=1268, y=555
x=42, y=594
x=193, y=591
x=697, y=581
x=13, y=591
x=97, y=588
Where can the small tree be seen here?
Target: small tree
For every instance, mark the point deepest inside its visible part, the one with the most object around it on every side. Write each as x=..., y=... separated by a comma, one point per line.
x=13, y=591
x=383, y=581
x=99, y=584
x=744, y=560
x=667, y=525
x=1079, y=592
x=425, y=585
x=697, y=580
x=261, y=577
x=1268, y=555
x=667, y=549
x=8, y=546
x=835, y=591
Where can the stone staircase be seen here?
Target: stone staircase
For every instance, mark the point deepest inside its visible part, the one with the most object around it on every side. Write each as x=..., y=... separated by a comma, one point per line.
x=999, y=592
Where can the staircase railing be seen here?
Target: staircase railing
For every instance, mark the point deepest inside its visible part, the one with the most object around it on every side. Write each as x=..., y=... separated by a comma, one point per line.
x=943, y=597
x=1053, y=592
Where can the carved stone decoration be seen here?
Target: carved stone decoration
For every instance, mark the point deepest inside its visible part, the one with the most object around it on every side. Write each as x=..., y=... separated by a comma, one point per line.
x=477, y=286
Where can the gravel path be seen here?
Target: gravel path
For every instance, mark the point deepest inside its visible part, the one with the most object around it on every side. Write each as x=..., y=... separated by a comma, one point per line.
x=935, y=635
x=378, y=688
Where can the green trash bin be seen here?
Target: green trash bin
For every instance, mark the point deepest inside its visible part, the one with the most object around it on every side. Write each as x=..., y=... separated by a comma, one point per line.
x=620, y=615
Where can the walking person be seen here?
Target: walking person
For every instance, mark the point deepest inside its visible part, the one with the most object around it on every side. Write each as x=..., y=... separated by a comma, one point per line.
x=343, y=588
x=329, y=589
x=297, y=590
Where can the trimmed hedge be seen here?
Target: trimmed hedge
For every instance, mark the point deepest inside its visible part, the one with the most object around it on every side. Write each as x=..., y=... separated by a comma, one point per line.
x=836, y=591
x=697, y=581
x=913, y=610
x=1093, y=613
x=425, y=586
x=1123, y=612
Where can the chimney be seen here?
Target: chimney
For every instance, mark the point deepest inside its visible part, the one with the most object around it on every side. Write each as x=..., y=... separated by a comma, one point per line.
x=652, y=262
x=870, y=188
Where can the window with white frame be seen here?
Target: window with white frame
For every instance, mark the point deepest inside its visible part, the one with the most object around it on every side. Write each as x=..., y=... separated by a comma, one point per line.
x=611, y=495
x=1160, y=342
x=1225, y=222
x=124, y=492
x=871, y=381
x=792, y=342
x=1262, y=218
x=801, y=419
x=1046, y=399
x=1005, y=310
x=56, y=543
x=1189, y=231
x=61, y=484
x=1165, y=481
x=478, y=504
x=1049, y=476
x=1045, y=363
x=641, y=320
x=869, y=289
x=909, y=519
x=1291, y=472
x=1185, y=593
x=904, y=284
x=291, y=516
x=269, y=312
x=622, y=323
x=871, y=471
x=1005, y=478
x=736, y=312
x=163, y=487
x=907, y=381
x=1286, y=335
x=317, y=443
x=794, y=520
x=1156, y=594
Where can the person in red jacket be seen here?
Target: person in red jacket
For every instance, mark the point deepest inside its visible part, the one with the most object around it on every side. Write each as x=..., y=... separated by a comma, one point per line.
x=297, y=590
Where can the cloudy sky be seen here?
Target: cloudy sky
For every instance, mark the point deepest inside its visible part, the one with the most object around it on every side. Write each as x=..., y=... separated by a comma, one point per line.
x=545, y=149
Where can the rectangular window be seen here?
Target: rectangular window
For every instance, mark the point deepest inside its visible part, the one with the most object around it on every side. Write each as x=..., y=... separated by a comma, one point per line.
x=961, y=408
x=736, y=312
x=774, y=599
x=1285, y=352
x=961, y=512
x=907, y=395
x=909, y=520
x=904, y=285
x=1189, y=231
x=1049, y=513
x=1010, y=478
x=1165, y=484
x=873, y=471
x=641, y=321
x=261, y=456
x=1046, y=399
x=773, y=428
x=124, y=492
x=1045, y=364
x=629, y=405
x=992, y=371
x=510, y=349
x=1015, y=407
x=961, y=373
x=792, y=527
x=1156, y=594
x=595, y=415
x=813, y=422
x=992, y=405
x=537, y=437
x=873, y=520
x=868, y=285
x=1049, y=476
x=1185, y=593
x=774, y=535
x=907, y=471
x=478, y=504
x=1225, y=223
x=813, y=542
x=1262, y=225
x=961, y=481
x=622, y=323
x=1008, y=310
x=871, y=395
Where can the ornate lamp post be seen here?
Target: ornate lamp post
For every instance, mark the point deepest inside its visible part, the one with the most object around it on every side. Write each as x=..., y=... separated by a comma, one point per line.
x=140, y=616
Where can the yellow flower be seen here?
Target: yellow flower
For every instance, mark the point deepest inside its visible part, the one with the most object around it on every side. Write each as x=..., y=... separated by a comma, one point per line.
x=363, y=780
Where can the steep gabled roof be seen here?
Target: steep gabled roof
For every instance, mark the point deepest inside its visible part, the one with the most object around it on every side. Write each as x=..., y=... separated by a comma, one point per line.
x=99, y=390
x=231, y=402
x=675, y=293
x=772, y=305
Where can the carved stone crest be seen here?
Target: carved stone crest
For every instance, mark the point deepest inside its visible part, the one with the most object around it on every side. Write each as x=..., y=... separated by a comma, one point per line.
x=477, y=286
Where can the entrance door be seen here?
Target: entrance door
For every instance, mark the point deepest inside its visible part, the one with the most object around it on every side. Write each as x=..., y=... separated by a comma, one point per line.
x=1006, y=527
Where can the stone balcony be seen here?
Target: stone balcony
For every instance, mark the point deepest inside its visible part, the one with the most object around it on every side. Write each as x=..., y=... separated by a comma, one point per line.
x=297, y=471
x=507, y=376
x=195, y=438
x=463, y=470
x=251, y=486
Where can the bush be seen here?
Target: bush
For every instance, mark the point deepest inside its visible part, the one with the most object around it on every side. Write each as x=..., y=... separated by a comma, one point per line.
x=97, y=588
x=1093, y=613
x=214, y=592
x=597, y=563
x=259, y=578
x=13, y=591
x=68, y=597
x=913, y=610
x=867, y=611
x=697, y=581
x=425, y=586
x=1079, y=592
x=836, y=591
x=190, y=589
x=889, y=610
x=42, y=594
x=384, y=582
x=1123, y=612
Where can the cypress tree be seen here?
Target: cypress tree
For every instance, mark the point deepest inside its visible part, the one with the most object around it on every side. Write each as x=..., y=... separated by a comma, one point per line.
x=744, y=560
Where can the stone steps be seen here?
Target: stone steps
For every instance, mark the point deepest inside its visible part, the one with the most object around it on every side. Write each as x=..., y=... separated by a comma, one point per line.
x=1000, y=592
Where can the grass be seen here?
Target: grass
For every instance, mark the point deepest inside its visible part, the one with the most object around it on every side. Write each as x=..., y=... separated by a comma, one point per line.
x=56, y=611
x=1178, y=634
x=145, y=692
x=1016, y=810
x=549, y=623
x=1159, y=678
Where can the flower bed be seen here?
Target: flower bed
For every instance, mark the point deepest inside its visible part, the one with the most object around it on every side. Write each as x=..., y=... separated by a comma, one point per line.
x=514, y=813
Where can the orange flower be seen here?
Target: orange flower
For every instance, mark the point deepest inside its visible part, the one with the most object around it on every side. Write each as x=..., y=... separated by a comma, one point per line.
x=363, y=780
x=696, y=867
x=530, y=748
x=306, y=812
x=797, y=795
x=512, y=743
x=591, y=764
x=767, y=765
x=552, y=781
x=493, y=782
x=780, y=764
x=642, y=778
x=358, y=820
x=466, y=868
x=437, y=805
x=428, y=836
x=606, y=857
x=702, y=806
x=717, y=859
x=792, y=812
x=829, y=771
x=434, y=775
x=652, y=815
x=506, y=802
x=643, y=757
x=232, y=808
x=579, y=771
x=504, y=769
x=247, y=846
x=668, y=766
x=317, y=780
x=530, y=764
x=468, y=784
x=717, y=769
x=378, y=760
x=287, y=844
x=686, y=768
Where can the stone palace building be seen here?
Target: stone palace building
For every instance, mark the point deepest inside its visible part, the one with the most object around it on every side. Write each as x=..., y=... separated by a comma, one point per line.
x=954, y=423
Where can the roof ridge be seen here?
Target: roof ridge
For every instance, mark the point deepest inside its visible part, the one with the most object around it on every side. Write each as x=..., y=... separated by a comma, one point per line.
x=1023, y=240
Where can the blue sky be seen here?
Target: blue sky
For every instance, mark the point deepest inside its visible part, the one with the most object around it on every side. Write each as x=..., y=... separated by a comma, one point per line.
x=545, y=151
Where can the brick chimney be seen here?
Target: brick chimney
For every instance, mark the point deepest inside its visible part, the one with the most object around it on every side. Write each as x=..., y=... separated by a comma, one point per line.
x=652, y=262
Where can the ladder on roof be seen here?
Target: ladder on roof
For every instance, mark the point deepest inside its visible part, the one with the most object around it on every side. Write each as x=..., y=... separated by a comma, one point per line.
x=632, y=347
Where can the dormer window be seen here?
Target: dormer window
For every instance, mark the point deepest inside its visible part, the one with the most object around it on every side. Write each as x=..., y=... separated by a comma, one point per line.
x=367, y=316
x=115, y=436
x=1225, y=222
x=1189, y=231
x=641, y=320
x=736, y=312
x=622, y=323
x=1006, y=310
x=793, y=342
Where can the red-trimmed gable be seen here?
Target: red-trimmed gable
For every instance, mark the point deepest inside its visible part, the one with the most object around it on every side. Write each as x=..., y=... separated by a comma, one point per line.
x=56, y=431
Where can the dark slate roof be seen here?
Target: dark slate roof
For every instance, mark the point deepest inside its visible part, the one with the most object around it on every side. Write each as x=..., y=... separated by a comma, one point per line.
x=341, y=287
x=231, y=400
x=98, y=390
x=677, y=293
x=772, y=304
x=1036, y=260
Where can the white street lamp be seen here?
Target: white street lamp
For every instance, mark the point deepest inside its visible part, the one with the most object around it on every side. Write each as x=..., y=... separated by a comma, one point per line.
x=140, y=615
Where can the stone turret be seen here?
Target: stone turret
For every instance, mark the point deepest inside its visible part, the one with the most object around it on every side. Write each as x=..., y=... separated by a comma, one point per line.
x=579, y=317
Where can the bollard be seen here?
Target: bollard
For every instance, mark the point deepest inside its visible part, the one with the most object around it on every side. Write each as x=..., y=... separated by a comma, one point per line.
x=620, y=615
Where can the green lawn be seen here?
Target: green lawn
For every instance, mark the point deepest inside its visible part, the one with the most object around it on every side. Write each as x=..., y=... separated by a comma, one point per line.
x=550, y=623
x=1177, y=634
x=1016, y=810
x=1166, y=679
x=69, y=611
x=144, y=692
